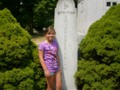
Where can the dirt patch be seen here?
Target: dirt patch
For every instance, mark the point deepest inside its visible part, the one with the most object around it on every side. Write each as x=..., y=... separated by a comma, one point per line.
x=37, y=39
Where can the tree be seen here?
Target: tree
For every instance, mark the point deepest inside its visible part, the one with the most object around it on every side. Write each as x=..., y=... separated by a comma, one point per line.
x=31, y=13
x=99, y=61
x=22, y=10
x=44, y=13
x=19, y=64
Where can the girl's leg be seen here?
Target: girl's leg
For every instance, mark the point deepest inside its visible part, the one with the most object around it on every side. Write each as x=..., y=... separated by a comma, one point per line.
x=58, y=80
x=50, y=82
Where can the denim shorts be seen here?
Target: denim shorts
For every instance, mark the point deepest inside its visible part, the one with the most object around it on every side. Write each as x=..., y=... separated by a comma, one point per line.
x=52, y=73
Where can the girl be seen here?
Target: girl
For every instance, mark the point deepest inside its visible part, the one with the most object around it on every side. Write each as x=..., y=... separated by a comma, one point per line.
x=49, y=59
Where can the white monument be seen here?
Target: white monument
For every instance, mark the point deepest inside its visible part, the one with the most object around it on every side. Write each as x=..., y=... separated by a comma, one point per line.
x=89, y=11
x=66, y=34
x=69, y=24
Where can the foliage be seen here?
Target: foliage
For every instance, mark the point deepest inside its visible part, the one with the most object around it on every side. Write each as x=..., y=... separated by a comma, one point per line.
x=31, y=13
x=44, y=13
x=19, y=64
x=99, y=61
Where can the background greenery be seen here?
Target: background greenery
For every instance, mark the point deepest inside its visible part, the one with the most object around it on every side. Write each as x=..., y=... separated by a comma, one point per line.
x=99, y=61
x=19, y=65
x=32, y=13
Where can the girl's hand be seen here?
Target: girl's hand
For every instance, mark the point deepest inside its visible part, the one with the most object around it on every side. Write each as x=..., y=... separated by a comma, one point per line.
x=47, y=73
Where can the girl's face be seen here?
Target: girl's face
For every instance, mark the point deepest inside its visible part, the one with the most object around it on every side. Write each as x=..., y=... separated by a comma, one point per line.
x=50, y=35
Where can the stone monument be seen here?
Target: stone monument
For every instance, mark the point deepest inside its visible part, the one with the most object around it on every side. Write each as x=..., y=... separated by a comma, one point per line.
x=66, y=35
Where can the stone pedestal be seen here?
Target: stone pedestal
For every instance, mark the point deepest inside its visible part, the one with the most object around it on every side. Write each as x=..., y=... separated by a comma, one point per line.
x=66, y=35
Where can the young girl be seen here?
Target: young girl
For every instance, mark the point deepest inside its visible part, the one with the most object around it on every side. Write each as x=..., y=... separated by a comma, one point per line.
x=49, y=59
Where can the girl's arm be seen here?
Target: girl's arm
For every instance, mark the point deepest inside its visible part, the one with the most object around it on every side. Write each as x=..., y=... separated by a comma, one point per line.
x=42, y=60
x=43, y=63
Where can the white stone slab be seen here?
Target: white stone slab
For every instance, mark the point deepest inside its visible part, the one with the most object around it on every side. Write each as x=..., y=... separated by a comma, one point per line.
x=66, y=34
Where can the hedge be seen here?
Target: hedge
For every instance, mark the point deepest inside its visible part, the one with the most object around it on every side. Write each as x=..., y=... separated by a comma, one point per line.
x=19, y=65
x=99, y=57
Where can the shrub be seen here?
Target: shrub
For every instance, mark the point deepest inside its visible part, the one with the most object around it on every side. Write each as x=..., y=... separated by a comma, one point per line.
x=19, y=64
x=99, y=61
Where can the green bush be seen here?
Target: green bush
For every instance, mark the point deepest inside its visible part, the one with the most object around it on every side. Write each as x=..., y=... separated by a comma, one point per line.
x=19, y=65
x=99, y=61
